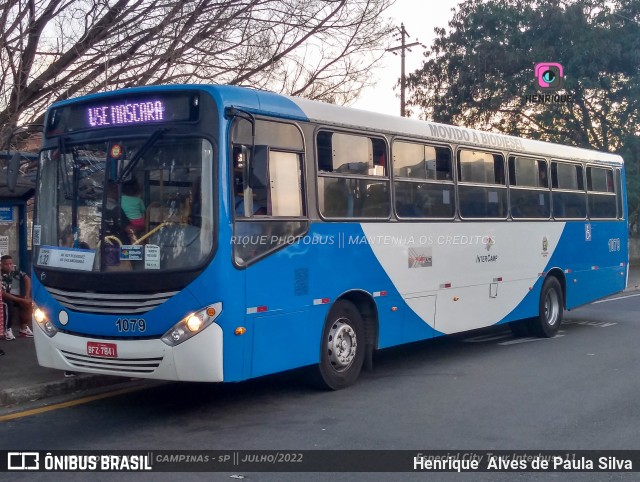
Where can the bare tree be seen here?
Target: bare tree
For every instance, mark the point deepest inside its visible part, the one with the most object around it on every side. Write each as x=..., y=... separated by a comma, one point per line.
x=56, y=49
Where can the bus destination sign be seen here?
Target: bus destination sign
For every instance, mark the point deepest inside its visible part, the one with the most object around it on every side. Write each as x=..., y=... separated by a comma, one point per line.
x=125, y=113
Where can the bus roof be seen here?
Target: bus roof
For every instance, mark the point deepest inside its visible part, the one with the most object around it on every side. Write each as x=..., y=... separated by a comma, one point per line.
x=297, y=108
x=401, y=126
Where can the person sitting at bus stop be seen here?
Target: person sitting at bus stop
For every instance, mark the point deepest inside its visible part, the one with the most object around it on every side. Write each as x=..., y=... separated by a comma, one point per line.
x=19, y=307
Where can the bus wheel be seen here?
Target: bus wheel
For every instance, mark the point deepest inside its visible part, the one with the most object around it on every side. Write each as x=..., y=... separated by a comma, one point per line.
x=547, y=324
x=343, y=346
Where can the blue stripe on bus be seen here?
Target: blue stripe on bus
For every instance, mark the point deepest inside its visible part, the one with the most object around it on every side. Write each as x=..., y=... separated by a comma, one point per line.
x=584, y=284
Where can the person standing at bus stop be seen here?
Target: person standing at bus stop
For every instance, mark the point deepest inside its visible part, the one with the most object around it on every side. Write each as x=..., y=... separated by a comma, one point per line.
x=19, y=307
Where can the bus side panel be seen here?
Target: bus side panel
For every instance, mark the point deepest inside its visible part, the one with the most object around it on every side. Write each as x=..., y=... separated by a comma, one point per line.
x=460, y=308
x=593, y=255
x=295, y=287
x=286, y=325
x=221, y=282
x=576, y=257
x=415, y=327
x=285, y=341
x=477, y=270
x=586, y=286
x=529, y=306
x=399, y=325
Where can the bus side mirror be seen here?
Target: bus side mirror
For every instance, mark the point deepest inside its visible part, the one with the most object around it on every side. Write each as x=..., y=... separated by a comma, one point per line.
x=13, y=170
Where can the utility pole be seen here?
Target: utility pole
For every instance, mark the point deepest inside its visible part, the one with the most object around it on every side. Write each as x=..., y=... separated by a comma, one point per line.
x=402, y=48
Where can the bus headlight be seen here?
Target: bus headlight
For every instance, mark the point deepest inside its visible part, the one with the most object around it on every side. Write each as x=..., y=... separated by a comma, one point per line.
x=43, y=322
x=192, y=324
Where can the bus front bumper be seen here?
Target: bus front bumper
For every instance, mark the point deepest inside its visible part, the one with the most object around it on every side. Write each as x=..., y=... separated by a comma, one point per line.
x=198, y=359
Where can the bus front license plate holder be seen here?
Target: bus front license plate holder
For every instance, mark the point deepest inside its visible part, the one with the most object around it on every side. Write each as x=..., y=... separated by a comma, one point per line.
x=105, y=350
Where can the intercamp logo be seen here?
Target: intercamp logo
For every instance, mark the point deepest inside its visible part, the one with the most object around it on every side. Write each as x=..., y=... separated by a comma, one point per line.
x=23, y=461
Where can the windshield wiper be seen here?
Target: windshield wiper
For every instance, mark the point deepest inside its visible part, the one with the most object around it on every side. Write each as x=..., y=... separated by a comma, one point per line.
x=138, y=155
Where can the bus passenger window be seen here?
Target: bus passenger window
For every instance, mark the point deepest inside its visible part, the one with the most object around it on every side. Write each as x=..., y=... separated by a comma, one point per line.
x=267, y=188
x=569, y=198
x=352, y=176
x=376, y=202
x=285, y=183
x=379, y=158
x=336, y=197
x=601, y=195
x=250, y=181
x=482, y=191
x=529, y=188
x=480, y=167
x=423, y=181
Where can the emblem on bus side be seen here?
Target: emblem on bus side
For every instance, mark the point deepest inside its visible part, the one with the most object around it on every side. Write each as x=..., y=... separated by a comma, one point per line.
x=545, y=247
x=420, y=258
x=490, y=242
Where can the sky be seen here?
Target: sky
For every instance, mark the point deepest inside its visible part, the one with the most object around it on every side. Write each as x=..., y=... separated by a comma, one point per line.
x=420, y=17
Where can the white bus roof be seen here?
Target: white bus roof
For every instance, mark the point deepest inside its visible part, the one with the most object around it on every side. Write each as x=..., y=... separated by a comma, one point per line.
x=332, y=115
x=402, y=126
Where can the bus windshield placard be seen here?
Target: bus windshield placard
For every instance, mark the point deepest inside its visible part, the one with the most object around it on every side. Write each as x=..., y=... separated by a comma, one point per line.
x=122, y=112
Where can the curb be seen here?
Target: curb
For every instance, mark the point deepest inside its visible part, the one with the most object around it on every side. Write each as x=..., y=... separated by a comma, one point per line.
x=12, y=396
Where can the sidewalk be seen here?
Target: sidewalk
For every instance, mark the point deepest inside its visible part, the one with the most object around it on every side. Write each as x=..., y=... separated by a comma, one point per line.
x=23, y=380
x=634, y=278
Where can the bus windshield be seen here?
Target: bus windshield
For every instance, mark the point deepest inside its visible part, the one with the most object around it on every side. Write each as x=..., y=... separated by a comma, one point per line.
x=139, y=204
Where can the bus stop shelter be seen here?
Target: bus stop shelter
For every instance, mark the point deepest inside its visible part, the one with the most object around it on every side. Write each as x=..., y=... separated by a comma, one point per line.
x=16, y=201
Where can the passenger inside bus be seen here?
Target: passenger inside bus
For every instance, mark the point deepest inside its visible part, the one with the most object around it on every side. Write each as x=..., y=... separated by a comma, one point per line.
x=67, y=239
x=133, y=205
x=376, y=202
x=115, y=219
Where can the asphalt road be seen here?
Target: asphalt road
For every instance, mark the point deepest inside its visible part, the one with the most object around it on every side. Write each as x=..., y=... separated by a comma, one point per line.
x=484, y=390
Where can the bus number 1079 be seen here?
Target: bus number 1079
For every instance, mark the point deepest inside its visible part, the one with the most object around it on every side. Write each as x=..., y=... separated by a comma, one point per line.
x=131, y=325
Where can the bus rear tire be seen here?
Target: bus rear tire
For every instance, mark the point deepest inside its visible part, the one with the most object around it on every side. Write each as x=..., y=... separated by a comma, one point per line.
x=547, y=323
x=342, y=349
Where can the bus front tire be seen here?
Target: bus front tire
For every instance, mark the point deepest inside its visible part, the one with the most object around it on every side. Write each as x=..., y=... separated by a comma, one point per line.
x=342, y=349
x=547, y=323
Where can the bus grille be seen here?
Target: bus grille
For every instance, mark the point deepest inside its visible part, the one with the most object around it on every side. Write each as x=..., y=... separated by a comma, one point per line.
x=110, y=303
x=134, y=366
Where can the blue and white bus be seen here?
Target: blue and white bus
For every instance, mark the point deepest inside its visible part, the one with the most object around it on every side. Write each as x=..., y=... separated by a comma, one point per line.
x=216, y=233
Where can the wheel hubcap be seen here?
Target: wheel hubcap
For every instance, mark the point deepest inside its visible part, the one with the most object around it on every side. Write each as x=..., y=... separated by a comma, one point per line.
x=551, y=307
x=341, y=345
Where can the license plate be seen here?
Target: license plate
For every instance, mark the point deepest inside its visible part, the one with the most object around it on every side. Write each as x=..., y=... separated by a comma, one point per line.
x=107, y=350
